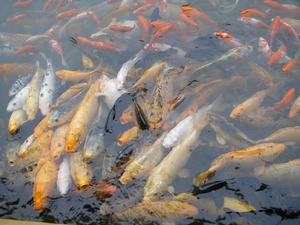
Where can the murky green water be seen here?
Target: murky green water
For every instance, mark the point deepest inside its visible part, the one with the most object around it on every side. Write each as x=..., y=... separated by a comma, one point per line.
x=274, y=204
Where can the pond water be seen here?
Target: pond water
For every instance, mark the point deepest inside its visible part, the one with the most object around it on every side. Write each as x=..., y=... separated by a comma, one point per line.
x=204, y=53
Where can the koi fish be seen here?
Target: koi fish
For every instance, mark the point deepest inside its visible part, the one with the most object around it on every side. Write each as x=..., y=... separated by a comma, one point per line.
x=82, y=119
x=129, y=135
x=295, y=108
x=47, y=89
x=254, y=22
x=19, y=100
x=274, y=29
x=58, y=142
x=64, y=179
x=291, y=65
x=228, y=38
x=44, y=184
x=59, y=50
x=253, y=12
x=249, y=157
x=285, y=101
x=19, y=84
x=80, y=170
x=32, y=101
x=288, y=135
x=16, y=119
x=23, y=3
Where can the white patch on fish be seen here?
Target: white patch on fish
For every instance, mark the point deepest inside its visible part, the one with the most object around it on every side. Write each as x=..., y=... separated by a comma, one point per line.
x=64, y=179
x=47, y=89
x=123, y=72
x=19, y=101
x=19, y=84
x=24, y=146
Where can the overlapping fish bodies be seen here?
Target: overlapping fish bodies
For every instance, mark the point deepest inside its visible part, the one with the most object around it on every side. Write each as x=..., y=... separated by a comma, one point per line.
x=129, y=99
x=254, y=155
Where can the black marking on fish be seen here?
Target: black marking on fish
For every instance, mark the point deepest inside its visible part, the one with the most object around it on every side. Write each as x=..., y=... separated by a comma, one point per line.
x=140, y=116
x=209, y=187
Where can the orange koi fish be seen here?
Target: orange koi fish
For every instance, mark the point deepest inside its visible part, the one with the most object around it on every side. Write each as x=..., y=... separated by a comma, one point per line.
x=144, y=24
x=188, y=20
x=276, y=56
x=120, y=28
x=274, y=29
x=253, y=12
x=25, y=49
x=291, y=65
x=67, y=13
x=228, y=38
x=197, y=13
x=15, y=18
x=160, y=32
x=285, y=101
x=23, y=3
x=98, y=44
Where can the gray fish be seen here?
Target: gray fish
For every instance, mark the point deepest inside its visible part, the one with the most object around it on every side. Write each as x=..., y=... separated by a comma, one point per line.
x=94, y=143
x=66, y=111
x=228, y=132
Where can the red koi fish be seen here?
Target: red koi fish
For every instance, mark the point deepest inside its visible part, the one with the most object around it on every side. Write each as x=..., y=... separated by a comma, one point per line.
x=253, y=12
x=23, y=3
x=25, y=49
x=285, y=101
x=254, y=22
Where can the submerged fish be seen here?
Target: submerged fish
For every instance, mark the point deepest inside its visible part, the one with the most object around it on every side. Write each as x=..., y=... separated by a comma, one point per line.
x=249, y=157
x=158, y=211
x=287, y=135
x=44, y=184
x=163, y=174
x=64, y=179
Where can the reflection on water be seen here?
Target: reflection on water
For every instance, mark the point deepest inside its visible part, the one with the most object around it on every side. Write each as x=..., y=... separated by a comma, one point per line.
x=222, y=74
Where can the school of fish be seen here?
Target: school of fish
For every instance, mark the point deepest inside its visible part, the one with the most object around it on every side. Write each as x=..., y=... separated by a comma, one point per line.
x=172, y=68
